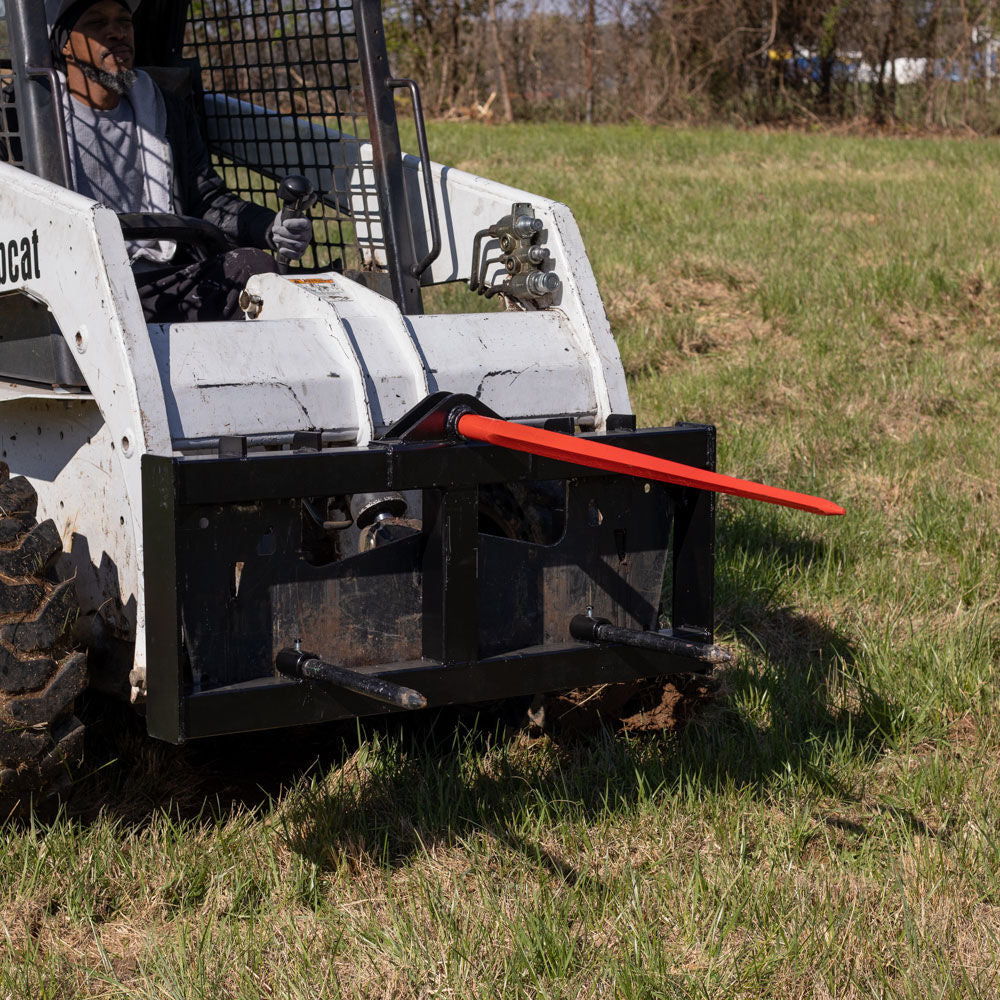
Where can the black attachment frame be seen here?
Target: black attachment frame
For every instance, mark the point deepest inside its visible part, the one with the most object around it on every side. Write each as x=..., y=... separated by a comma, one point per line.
x=451, y=668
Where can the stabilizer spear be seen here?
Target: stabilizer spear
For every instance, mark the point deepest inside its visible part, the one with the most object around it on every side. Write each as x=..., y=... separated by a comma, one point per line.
x=595, y=455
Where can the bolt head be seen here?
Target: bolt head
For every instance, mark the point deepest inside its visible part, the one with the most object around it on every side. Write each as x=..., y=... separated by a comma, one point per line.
x=525, y=226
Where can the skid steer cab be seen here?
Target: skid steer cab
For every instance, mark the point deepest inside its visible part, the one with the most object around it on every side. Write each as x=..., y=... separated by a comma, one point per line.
x=300, y=515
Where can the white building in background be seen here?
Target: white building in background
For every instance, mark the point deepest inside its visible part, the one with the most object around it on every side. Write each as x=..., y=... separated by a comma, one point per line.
x=983, y=63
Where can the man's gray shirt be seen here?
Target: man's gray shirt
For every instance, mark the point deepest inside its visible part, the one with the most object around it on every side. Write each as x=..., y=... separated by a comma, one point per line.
x=108, y=165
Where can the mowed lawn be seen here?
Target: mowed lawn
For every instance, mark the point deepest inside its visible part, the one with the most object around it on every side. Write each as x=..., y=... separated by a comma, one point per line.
x=827, y=825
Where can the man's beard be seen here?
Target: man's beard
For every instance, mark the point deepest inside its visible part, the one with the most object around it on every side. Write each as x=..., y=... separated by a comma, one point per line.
x=119, y=82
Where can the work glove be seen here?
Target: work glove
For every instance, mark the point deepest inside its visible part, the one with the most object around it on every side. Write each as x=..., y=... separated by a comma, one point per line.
x=289, y=237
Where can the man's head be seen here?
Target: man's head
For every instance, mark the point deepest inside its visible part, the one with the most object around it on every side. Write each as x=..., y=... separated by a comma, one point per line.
x=94, y=38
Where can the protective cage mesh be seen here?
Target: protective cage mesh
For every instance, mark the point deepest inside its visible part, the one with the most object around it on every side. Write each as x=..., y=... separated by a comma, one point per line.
x=10, y=140
x=295, y=58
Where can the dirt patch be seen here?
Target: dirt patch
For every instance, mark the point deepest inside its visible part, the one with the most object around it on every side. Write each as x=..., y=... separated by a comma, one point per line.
x=965, y=731
x=658, y=322
x=643, y=706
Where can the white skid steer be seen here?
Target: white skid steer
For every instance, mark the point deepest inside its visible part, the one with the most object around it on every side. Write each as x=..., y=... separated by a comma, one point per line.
x=274, y=521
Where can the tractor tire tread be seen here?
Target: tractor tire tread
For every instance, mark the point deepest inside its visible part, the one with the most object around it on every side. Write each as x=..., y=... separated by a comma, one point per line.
x=48, y=772
x=21, y=597
x=37, y=707
x=19, y=674
x=10, y=530
x=18, y=500
x=33, y=553
x=43, y=630
x=23, y=744
x=41, y=739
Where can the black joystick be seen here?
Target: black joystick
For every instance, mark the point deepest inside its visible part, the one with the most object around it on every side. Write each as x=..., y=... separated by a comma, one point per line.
x=297, y=196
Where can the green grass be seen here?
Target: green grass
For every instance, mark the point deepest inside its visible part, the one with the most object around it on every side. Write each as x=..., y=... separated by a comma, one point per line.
x=828, y=827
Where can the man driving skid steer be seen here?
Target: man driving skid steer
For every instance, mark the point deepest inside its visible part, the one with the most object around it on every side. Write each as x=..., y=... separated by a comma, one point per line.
x=136, y=148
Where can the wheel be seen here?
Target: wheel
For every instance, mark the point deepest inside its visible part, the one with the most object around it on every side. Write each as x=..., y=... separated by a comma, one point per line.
x=41, y=674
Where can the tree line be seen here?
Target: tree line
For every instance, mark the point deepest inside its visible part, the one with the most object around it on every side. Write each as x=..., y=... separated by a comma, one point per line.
x=931, y=63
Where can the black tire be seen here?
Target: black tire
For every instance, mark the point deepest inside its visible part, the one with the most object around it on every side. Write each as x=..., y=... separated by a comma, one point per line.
x=41, y=674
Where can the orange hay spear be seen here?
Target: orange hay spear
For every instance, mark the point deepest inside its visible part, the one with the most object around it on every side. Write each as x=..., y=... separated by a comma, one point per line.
x=595, y=455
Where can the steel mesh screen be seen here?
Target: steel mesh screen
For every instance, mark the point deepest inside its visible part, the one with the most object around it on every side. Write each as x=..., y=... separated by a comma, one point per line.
x=297, y=59
x=10, y=140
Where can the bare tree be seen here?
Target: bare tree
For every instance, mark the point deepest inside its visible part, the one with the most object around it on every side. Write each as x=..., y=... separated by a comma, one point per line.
x=508, y=111
x=667, y=60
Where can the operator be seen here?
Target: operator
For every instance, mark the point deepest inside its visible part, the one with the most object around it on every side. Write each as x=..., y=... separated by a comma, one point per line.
x=136, y=148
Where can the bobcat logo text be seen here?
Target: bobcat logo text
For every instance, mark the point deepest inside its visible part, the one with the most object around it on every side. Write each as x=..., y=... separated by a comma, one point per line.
x=19, y=259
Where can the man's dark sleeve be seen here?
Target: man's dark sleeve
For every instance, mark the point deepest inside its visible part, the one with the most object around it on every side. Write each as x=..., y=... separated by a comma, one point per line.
x=200, y=191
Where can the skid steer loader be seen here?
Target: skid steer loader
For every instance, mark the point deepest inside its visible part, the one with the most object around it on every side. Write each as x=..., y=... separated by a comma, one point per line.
x=297, y=517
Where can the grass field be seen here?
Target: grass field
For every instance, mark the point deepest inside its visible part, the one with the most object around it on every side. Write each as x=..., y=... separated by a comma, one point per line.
x=827, y=826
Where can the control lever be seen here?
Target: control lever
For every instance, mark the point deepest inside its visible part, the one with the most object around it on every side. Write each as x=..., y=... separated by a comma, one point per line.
x=297, y=195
